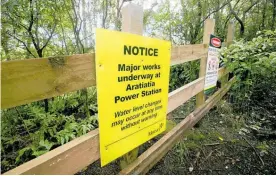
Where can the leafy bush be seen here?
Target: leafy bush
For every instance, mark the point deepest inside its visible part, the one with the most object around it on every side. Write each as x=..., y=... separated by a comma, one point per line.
x=28, y=132
x=254, y=64
x=182, y=74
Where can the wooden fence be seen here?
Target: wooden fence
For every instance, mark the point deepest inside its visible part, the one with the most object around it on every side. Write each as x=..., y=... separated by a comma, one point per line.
x=26, y=81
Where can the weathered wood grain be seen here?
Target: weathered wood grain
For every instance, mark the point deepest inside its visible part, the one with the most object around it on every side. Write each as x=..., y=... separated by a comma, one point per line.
x=25, y=81
x=183, y=94
x=185, y=53
x=209, y=27
x=222, y=72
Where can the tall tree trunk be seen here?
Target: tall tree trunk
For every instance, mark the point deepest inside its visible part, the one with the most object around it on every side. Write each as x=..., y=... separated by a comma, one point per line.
x=117, y=20
x=104, y=9
x=264, y=15
x=28, y=55
x=64, y=40
x=84, y=16
x=46, y=102
x=273, y=15
x=77, y=26
x=197, y=25
x=217, y=19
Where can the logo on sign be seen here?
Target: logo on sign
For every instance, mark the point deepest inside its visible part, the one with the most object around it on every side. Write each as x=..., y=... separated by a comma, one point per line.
x=216, y=42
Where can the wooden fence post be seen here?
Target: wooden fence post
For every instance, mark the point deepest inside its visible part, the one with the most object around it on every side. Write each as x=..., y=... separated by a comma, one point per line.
x=132, y=22
x=230, y=33
x=229, y=40
x=209, y=27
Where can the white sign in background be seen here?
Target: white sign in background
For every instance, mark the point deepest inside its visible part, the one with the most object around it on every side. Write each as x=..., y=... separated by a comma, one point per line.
x=212, y=68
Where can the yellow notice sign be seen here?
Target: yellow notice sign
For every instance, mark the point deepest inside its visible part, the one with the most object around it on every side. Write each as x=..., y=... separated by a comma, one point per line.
x=132, y=86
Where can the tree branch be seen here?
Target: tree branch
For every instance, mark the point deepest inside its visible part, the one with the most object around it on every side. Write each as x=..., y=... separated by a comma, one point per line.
x=31, y=26
x=29, y=51
x=50, y=37
x=250, y=7
x=238, y=19
x=36, y=26
x=15, y=22
x=216, y=10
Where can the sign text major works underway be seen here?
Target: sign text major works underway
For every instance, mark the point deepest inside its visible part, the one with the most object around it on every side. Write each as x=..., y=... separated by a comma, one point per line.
x=132, y=86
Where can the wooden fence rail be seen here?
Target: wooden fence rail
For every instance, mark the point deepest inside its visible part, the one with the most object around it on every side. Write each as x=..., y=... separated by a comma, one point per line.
x=26, y=81
x=85, y=149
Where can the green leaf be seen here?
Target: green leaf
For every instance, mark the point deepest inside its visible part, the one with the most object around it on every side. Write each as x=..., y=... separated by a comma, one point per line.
x=21, y=154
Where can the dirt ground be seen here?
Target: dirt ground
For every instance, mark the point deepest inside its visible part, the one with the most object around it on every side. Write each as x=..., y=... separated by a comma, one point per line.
x=220, y=145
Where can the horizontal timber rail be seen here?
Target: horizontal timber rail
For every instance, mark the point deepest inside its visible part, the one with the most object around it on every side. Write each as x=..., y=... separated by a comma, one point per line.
x=184, y=93
x=85, y=149
x=222, y=72
x=65, y=160
x=26, y=81
x=185, y=53
x=151, y=156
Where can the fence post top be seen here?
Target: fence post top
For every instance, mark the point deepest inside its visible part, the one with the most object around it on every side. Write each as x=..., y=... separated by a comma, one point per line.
x=209, y=20
x=132, y=18
x=132, y=5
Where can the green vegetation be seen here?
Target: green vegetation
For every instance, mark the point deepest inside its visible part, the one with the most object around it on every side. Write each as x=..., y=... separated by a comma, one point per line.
x=254, y=63
x=254, y=94
x=182, y=74
x=27, y=131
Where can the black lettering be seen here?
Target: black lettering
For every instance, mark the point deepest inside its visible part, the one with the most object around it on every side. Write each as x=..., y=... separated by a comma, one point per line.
x=117, y=98
x=150, y=54
x=126, y=98
x=155, y=52
x=135, y=50
x=139, y=50
x=116, y=123
x=142, y=50
x=121, y=67
x=127, y=50
x=128, y=87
